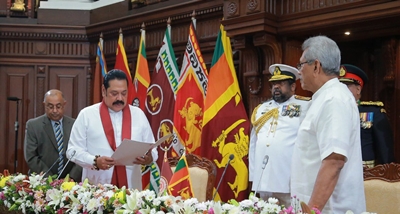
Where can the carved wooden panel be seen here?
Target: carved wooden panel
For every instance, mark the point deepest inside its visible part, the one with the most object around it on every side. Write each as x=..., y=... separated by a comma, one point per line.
x=18, y=81
x=3, y=7
x=72, y=82
x=16, y=47
x=291, y=56
x=254, y=6
x=296, y=6
x=232, y=8
x=396, y=110
x=386, y=172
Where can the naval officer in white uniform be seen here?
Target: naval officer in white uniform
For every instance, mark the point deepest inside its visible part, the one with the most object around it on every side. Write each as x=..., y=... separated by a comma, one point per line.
x=275, y=124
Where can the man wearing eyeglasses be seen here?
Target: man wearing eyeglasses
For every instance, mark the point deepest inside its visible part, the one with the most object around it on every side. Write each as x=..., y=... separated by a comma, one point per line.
x=46, y=139
x=326, y=166
x=275, y=124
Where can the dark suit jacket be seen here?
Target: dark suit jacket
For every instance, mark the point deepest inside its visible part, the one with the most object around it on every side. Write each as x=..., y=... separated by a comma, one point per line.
x=40, y=147
x=376, y=140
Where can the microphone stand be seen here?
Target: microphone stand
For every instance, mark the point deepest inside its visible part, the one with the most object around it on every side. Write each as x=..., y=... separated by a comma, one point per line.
x=16, y=125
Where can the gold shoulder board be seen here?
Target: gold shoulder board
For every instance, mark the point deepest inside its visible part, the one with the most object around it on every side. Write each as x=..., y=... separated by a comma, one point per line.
x=372, y=103
x=302, y=98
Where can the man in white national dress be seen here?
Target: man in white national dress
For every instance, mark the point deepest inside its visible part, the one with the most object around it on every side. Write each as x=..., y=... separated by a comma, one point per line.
x=99, y=130
x=326, y=166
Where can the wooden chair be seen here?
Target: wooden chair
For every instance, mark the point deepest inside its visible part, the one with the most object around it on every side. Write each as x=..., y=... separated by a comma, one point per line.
x=382, y=188
x=202, y=174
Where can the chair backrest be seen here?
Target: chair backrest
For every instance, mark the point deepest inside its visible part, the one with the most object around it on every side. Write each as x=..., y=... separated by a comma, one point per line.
x=382, y=188
x=202, y=174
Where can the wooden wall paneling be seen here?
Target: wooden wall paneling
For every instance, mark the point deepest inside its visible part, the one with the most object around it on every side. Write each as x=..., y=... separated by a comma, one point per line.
x=72, y=82
x=389, y=59
x=3, y=7
x=396, y=110
x=208, y=15
x=378, y=58
x=291, y=56
x=299, y=6
x=251, y=57
x=271, y=53
x=258, y=52
x=41, y=89
x=18, y=82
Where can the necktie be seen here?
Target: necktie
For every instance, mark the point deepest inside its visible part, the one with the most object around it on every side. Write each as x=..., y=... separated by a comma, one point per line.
x=60, y=140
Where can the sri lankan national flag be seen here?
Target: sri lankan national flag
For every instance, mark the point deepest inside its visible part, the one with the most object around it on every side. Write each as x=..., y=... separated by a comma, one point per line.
x=225, y=123
x=190, y=96
x=141, y=81
x=180, y=184
x=99, y=72
x=121, y=62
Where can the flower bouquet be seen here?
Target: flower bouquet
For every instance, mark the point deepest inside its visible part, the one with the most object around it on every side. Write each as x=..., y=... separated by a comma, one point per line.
x=36, y=194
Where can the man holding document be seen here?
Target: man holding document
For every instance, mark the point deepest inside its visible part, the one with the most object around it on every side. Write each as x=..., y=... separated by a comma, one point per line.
x=99, y=130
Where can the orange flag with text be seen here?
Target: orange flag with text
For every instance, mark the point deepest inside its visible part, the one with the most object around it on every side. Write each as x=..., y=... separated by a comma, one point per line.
x=225, y=124
x=190, y=96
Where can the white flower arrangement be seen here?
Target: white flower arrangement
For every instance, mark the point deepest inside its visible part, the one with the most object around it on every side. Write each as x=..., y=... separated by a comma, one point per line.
x=36, y=194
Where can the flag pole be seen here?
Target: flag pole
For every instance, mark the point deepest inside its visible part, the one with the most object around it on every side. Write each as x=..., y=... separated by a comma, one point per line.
x=194, y=19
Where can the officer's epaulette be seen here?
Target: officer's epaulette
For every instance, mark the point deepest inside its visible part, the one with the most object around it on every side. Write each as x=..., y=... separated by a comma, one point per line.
x=302, y=98
x=372, y=103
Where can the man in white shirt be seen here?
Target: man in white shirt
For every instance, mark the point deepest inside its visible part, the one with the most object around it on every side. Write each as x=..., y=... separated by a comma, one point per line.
x=326, y=166
x=275, y=125
x=100, y=128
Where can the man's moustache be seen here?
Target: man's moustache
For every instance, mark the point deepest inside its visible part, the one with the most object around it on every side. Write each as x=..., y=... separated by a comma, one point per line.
x=118, y=102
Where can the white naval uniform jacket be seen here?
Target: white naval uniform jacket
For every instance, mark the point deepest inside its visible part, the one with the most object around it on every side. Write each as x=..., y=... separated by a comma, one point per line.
x=278, y=145
x=88, y=139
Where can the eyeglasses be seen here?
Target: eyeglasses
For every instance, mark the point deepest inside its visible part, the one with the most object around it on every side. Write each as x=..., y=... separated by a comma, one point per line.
x=51, y=107
x=300, y=65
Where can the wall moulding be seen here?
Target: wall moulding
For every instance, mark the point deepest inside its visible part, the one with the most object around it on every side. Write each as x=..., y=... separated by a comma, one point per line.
x=153, y=20
x=48, y=35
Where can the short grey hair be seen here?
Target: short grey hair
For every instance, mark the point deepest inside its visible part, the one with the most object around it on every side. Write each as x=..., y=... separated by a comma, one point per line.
x=53, y=92
x=326, y=51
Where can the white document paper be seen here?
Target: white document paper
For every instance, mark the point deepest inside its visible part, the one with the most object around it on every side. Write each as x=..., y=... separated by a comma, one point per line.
x=129, y=150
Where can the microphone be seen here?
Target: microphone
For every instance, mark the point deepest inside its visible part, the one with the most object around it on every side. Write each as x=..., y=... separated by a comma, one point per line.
x=51, y=166
x=69, y=159
x=13, y=98
x=265, y=161
x=223, y=173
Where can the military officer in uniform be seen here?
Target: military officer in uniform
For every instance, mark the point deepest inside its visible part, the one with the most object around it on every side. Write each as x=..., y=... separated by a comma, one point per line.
x=274, y=129
x=376, y=134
